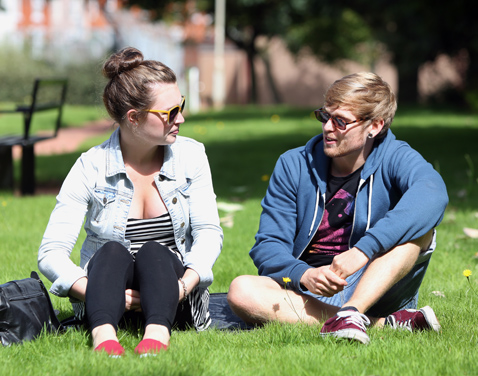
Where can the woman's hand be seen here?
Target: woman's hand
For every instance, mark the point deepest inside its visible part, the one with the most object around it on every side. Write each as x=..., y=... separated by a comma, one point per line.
x=133, y=302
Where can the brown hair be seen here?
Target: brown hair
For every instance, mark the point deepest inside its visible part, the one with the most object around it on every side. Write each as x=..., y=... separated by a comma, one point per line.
x=366, y=95
x=131, y=79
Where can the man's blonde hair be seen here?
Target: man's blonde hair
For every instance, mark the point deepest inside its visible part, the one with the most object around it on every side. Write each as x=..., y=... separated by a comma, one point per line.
x=366, y=95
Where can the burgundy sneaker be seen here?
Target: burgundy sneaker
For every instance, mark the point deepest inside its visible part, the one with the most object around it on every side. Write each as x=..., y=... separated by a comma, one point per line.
x=347, y=324
x=414, y=319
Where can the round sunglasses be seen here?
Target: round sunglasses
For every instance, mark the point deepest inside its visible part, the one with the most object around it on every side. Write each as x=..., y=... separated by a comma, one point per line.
x=172, y=112
x=323, y=116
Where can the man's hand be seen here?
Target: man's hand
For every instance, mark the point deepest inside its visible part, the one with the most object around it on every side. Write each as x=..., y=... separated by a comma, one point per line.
x=322, y=281
x=133, y=302
x=348, y=262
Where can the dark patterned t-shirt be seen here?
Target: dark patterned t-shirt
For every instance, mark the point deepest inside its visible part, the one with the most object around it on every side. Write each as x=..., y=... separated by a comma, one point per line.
x=332, y=236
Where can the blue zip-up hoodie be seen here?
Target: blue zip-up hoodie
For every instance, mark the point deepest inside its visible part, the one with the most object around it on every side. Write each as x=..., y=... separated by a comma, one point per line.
x=400, y=198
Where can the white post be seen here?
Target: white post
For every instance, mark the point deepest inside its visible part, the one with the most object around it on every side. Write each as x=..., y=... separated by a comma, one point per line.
x=218, y=92
x=193, y=101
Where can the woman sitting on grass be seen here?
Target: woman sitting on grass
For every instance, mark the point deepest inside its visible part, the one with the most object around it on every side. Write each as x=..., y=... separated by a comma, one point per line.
x=152, y=225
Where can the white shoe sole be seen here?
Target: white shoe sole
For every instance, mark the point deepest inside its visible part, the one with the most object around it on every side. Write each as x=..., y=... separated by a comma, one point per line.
x=354, y=334
x=431, y=318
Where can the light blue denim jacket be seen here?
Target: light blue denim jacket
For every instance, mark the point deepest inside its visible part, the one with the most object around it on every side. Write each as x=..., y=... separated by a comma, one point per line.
x=98, y=187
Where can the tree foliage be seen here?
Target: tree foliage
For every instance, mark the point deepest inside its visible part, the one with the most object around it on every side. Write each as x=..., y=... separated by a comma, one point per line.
x=413, y=31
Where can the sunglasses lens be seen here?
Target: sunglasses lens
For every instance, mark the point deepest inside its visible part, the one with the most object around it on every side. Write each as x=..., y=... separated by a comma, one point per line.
x=339, y=123
x=322, y=116
x=172, y=114
x=183, y=103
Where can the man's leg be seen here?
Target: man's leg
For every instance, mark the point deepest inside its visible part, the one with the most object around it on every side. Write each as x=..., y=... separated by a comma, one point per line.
x=258, y=300
x=385, y=271
x=378, y=278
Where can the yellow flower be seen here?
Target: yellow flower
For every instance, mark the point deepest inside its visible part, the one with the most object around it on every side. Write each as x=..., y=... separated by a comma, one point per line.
x=275, y=118
x=467, y=273
x=286, y=279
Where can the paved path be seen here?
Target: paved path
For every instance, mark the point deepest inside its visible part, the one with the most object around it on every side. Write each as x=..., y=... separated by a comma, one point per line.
x=69, y=139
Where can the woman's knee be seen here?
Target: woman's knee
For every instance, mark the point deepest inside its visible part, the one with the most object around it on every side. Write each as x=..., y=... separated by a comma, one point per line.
x=113, y=248
x=153, y=255
x=153, y=249
x=111, y=252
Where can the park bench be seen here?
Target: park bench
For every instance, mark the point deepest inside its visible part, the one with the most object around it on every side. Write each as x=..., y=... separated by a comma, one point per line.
x=47, y=99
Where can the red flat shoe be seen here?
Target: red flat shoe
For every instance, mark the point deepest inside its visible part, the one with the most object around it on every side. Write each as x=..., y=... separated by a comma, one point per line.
x=150, y=347
x=111, y=347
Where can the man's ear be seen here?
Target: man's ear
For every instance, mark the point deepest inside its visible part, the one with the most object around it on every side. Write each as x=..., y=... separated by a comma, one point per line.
x=377, y=127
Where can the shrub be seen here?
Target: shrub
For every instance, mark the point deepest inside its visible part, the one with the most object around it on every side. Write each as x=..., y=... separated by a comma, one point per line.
x=18, y=69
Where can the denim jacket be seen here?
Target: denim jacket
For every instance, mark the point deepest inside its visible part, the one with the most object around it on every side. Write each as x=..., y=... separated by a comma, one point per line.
x=98, y=187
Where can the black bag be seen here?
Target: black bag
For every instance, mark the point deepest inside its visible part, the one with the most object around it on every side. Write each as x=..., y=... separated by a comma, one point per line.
x=25, y=310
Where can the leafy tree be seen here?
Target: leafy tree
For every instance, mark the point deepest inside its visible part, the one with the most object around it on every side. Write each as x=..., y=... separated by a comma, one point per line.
x=246, y=20
x=414, y=31
x=329, y=31
x=417, y=32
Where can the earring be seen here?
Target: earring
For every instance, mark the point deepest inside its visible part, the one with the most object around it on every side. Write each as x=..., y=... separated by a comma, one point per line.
x=370, y=135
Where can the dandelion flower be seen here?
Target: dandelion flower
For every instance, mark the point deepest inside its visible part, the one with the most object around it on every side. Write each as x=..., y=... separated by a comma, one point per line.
x=275, y=118
x=286, y=279
x=467, y=273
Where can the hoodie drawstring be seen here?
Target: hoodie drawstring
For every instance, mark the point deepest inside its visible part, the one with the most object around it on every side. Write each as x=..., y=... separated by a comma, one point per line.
x=369, y=214
x=316, y=210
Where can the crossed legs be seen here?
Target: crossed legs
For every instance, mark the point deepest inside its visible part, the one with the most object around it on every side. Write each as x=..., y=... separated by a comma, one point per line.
x=257, y=299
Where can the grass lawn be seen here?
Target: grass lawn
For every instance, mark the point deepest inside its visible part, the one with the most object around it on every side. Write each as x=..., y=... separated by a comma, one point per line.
x=243, y=145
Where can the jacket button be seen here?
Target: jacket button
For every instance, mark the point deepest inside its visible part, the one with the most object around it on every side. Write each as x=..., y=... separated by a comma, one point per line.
x=105, y=200
x=183, y=241
x=175, y=200
x=182, y=224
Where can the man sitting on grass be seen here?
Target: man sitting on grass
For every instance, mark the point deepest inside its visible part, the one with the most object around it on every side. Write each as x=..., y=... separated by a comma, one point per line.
x=348, y=223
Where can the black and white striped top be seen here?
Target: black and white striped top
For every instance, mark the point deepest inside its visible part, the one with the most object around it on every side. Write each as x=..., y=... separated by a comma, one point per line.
x=159, y=229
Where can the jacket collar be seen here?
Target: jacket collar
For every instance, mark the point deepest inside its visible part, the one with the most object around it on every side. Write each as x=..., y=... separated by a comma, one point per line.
x=168, y=169
x=114, y=157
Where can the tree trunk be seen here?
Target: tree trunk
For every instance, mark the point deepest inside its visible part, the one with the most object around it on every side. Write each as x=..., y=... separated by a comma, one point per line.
x=270, y=78
x=251, y=54
x=117, y=42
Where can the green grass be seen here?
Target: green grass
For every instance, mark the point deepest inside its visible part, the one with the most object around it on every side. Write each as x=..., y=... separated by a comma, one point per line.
x=243, y=145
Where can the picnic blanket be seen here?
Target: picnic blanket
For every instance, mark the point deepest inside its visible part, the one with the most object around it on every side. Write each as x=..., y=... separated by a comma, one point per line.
x=222, y=316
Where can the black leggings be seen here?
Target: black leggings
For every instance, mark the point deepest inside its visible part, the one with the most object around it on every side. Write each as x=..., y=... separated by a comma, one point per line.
x=154, y=272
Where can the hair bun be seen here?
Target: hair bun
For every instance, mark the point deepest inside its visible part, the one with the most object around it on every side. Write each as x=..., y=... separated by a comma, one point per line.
x=122, y=61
